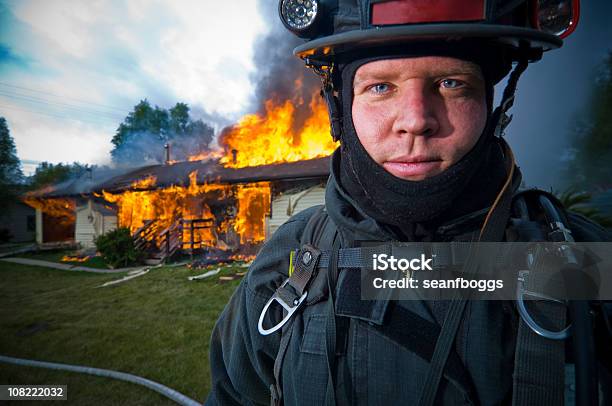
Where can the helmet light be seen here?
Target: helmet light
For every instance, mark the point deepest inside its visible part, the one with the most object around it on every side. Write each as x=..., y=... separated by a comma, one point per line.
x=299, y=16
x=557, y=17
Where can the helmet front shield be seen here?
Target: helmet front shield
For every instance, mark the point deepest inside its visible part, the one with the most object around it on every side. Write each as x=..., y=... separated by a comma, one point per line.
x=338, y=27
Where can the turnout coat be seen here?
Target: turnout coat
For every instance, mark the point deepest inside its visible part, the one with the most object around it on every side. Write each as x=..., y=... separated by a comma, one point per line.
x=382, y=349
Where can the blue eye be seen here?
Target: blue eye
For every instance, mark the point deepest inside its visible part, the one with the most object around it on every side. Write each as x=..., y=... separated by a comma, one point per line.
x=450, y=83
x=380, y=88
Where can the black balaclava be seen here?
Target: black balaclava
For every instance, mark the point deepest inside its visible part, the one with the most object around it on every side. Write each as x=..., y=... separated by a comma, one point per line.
x=414, y=209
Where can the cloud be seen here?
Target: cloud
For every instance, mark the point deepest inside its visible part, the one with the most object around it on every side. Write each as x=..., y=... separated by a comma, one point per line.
x=53, y=140
x=106, y=56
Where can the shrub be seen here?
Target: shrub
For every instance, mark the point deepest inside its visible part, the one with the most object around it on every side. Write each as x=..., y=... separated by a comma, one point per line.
x=117, y=248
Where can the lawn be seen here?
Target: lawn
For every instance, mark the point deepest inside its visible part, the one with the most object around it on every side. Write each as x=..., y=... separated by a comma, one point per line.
x=57, y=255
x=156, y=326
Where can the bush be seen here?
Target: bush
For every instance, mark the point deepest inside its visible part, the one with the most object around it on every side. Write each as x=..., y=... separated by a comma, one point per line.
x=117, y=248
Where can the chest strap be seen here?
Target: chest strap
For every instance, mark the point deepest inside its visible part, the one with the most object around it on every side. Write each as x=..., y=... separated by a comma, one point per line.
x=444, y=255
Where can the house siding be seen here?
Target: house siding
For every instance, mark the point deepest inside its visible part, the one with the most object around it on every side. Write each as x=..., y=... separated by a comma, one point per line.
x=92, y=220
x=15, y=220
x=289, y=204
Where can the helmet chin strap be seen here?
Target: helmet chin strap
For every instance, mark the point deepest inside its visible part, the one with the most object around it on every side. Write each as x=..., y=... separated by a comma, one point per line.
x=500, y=118
x=329, y=92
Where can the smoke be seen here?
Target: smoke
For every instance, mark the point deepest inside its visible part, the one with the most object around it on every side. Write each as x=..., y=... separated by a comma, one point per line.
x=143, y=135
x=147, y=148
x=280, y=76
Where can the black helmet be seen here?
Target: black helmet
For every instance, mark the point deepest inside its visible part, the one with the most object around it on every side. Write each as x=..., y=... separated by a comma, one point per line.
x=500, y=31
x=337, y=27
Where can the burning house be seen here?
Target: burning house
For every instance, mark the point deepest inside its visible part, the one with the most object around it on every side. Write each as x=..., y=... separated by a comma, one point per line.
x=213, y=205
x=225, y=199
x=185, y=205
x=66, y=211
x=269, y=166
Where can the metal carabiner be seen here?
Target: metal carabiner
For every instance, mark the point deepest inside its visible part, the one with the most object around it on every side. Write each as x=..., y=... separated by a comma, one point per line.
x=533, y=325
x=290, y=311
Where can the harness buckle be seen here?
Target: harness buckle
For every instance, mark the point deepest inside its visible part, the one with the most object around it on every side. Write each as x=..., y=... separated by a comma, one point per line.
x=290, y=310
x=522, y=309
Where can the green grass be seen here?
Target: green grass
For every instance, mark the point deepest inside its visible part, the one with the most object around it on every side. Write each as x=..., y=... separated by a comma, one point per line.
x=48, y=255
x=57, y=255
x=157, y=326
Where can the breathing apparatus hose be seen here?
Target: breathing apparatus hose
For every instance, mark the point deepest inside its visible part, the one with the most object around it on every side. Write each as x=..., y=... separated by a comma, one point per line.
x=106, y=373
x=587, y=389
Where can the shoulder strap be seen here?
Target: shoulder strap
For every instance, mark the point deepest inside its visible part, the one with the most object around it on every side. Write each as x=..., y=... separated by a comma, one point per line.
x=493, y=229
x=319, y=232
x=539, y=362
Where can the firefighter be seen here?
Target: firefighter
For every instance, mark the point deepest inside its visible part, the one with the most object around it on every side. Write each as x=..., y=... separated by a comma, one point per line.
x=409, y=88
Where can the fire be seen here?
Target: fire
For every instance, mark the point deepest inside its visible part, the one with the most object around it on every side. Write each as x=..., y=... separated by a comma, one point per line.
x=63, y=209
x=144, y=184
x=271, y=138
x=249, y=224
x=207, y=155
x=68, y=258
x=223, y=215
x=194, y=206
x=243, y=258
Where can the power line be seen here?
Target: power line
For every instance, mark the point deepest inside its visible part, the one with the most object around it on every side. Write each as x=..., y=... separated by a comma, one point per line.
x=18, y=94
x=33, y=99
x=62, y=96
x=89, y=120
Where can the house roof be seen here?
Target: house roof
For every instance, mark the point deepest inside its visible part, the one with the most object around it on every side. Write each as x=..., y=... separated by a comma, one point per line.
x=213, y=172
x=79, y=185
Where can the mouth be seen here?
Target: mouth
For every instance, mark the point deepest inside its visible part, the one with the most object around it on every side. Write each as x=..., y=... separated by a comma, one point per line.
x=414, y=168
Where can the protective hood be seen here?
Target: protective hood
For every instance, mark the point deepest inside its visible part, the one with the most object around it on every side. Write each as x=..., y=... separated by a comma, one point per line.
x=413, y=210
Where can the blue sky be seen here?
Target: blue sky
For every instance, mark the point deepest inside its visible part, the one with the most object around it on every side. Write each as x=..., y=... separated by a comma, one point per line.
x=71, y=70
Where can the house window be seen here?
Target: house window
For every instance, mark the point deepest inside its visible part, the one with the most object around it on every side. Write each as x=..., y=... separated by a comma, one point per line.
x=31, y=223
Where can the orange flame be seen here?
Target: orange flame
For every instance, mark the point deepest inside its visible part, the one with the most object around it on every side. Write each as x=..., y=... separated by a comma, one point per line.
x=168, y=205
x=253, y=206
x=54, y=207
x=207, y=155
x=146, y=183
x=257, y=139
x=68, y=258
x=270, y=138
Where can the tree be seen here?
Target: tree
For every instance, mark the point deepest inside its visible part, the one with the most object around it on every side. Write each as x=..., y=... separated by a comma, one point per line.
x=179, y=119
x=580, y=202
x=140, y=137
x=48, y=174
x=591, y=154
x=144, y=132
x=10, y=167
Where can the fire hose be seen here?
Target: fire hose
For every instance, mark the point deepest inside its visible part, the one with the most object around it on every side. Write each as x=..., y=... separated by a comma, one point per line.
x=107, y=373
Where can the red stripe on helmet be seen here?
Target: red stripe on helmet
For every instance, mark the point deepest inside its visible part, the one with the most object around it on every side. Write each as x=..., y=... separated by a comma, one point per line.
x=426, y=11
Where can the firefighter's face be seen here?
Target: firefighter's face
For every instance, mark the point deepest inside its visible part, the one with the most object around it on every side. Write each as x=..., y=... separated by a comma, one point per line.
x=418, y=116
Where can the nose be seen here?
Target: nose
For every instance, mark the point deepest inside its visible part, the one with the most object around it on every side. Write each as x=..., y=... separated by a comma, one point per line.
x=416, y=112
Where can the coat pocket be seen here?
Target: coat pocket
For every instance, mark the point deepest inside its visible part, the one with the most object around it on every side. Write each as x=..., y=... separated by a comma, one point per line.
x=313, y=340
